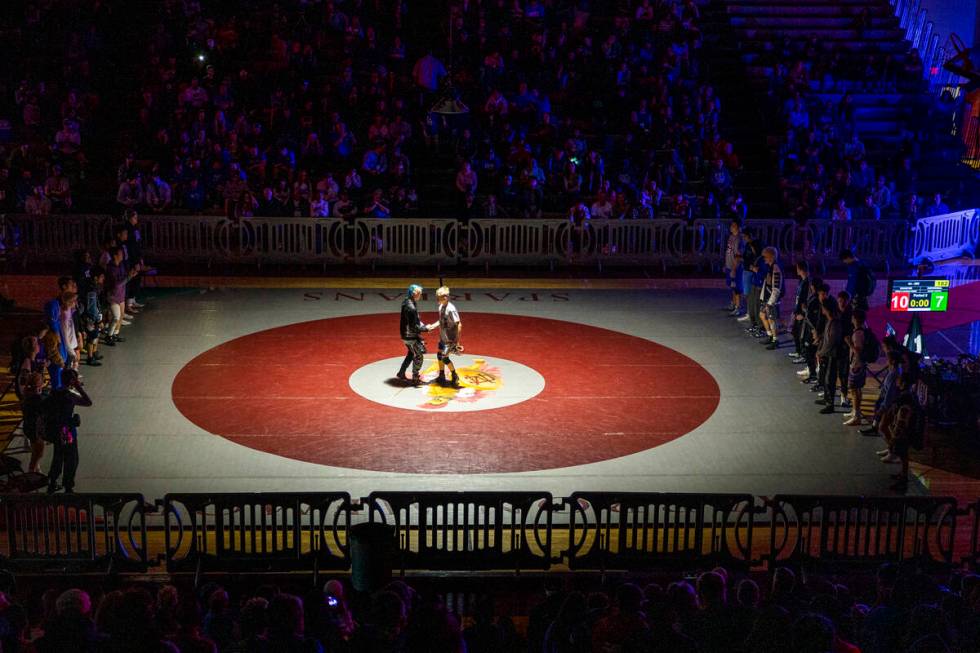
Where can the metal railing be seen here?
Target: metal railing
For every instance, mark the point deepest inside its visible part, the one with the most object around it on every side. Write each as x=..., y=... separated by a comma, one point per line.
x=489, y=531
x=467, y=530
x=920, y=32
x=659, y=242
x=83, y=533
x=863, y=530
x=946, y=236
x=643, y=531
x=256, y=532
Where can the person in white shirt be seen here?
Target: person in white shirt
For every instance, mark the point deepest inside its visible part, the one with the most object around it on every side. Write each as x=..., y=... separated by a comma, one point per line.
x=450, y=327
x=602, y=208
x=320, y=208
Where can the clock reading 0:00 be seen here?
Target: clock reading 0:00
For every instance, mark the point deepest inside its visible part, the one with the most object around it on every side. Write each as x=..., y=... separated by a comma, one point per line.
x=919, y=303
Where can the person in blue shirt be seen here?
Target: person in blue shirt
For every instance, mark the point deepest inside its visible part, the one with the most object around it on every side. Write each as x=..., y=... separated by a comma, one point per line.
x=860, y=279
x=52, y=314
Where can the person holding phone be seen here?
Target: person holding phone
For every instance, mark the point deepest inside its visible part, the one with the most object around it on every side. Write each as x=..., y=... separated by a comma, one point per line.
x=61, y=429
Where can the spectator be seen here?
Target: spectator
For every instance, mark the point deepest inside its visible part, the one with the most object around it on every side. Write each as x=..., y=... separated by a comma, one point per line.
x=38, y=202
x=286, y=626
x=868, y=209
x=841, y=213
x=57, y=188
x=428, y=72
x=601, y=208
x=345, y=207
x=320, y=208
x=713, y=623
x=625, y=627
x=938, y=207
x=882, y=194
x=72, y=629
x=159, y=196
x=130, y=194
x=466, y=180
x=911, y=210
x=376, y=206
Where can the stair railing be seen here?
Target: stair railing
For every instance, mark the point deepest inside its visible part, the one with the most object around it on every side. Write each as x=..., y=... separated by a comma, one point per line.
x=920, y=32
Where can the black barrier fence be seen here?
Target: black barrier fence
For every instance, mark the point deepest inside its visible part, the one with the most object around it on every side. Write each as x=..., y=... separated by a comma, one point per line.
x=848, y=529
x=468, y=530
x=508, y=532
x=642, y=530
x=256, y=532
x=74, y=533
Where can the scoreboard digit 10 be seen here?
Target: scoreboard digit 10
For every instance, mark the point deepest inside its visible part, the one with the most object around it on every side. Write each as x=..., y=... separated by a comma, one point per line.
x=919, y=295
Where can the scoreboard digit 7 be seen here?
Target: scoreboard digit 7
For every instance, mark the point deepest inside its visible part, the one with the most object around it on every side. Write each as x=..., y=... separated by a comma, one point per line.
x=919, y=295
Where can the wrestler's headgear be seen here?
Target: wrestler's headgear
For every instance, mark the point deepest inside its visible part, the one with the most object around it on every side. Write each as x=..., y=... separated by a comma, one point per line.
x=412, y=289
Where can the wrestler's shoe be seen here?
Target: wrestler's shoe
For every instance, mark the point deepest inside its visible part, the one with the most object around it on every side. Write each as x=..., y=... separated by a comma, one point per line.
x=455, y=381
x=416, y=380
x=441, y=379
x=401, y=377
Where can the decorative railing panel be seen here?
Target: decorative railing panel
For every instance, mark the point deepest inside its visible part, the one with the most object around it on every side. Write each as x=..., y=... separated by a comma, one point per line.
x=74, y=533
x=376, y=241
x=946, y=236
x=257, y=532
x=862, y=529
x=467, y=530
x=640, y=530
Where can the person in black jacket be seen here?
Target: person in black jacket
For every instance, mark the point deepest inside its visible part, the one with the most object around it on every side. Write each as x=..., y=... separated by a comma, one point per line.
x=799, y=309
x=62, y=430
x=72, y=629
x=831, y=354
x=809, y=335
x=411, y=330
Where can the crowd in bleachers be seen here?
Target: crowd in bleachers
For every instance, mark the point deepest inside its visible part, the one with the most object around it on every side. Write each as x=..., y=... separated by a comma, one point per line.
x=824, y=166
x=323, y=108
x=715, y=612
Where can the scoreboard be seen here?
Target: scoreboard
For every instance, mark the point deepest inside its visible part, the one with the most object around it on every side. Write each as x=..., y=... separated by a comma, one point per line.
x=925, y=295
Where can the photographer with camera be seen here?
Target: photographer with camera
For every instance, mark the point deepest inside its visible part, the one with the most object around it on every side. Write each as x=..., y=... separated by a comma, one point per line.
x=61, y=429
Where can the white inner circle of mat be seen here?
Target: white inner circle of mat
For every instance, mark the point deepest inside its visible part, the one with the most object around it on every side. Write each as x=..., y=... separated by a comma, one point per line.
x=514, y=383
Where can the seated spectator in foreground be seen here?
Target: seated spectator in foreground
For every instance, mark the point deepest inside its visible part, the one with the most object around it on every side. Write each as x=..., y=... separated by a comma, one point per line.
x=625, y=626
x=286, y=630
x=72, y=628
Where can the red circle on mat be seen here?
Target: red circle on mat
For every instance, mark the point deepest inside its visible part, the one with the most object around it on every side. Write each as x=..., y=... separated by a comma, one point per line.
x=285, y=391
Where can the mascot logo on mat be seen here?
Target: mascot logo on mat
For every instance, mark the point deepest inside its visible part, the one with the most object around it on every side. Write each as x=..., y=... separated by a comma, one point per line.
x=476, y=381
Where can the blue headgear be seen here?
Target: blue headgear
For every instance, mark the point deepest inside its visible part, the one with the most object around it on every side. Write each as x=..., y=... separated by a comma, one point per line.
x=412, y=288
